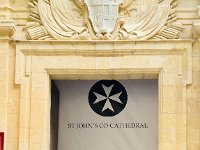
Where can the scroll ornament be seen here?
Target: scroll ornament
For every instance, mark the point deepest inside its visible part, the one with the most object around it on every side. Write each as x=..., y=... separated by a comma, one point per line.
x=103, y=20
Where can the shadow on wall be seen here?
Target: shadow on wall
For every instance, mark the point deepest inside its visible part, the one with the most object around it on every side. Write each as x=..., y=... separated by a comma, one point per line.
x=54, y=116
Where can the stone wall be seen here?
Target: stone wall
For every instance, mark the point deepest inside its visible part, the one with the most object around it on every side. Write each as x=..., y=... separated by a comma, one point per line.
x=17, y=118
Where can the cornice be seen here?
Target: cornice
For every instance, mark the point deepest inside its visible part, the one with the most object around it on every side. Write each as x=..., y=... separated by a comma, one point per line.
x=7, y=27
x=104, y=41
x=196, y=25
x=101, y=48
x=198, y=9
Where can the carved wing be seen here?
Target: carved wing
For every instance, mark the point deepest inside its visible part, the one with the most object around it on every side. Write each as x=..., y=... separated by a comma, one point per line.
x=172, y=28
x=149, y=19
x=69, y=19
x=57, y=19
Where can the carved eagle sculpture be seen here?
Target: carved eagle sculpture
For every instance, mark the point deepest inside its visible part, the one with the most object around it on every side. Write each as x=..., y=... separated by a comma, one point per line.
x=103, y=20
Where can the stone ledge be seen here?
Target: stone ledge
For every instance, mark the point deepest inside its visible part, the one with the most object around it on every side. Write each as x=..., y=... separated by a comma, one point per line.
x=198, y=9
x=104, y=48
x=7, y=27
x=196, y=29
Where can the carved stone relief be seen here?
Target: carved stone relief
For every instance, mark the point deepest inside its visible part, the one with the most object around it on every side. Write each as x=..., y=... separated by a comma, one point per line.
x=103, y=20
x=196, y=25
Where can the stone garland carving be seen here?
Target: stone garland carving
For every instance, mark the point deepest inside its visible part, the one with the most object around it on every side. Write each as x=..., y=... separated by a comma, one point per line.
x=103, y=20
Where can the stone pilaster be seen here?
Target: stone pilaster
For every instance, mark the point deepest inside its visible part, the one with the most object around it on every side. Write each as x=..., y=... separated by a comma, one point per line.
x=7, y=29
x=193, y=92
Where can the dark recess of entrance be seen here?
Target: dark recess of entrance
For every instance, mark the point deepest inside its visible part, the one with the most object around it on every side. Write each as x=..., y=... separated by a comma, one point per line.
x=54, y=116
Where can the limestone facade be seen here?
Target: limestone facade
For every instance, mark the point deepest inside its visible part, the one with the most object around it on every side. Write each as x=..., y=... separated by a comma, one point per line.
x=27, y=67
